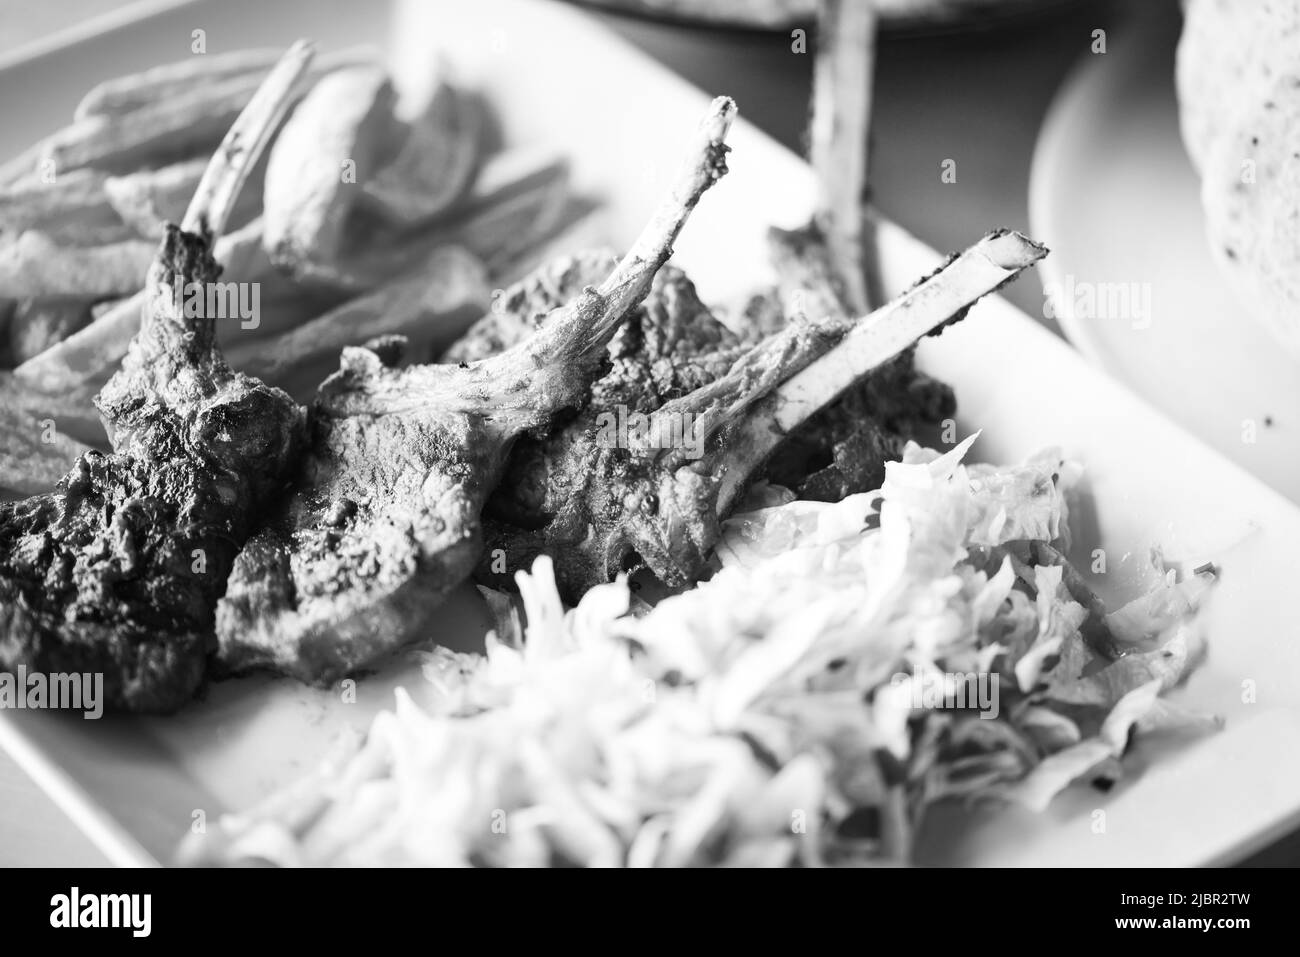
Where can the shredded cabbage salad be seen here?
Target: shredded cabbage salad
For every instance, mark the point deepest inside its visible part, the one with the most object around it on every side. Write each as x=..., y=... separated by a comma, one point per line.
x=847, y=666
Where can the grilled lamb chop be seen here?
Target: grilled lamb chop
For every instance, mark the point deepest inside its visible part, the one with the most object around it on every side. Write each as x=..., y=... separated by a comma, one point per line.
x=829, y=269
x=556, y=484
x=942, y=298
x=520, y=310
x=599, y=508
x=119, y=569
x=843, y=449
x=672, y=345
x=385, y=518
x=669, y=348
x=670, y=324
x=664, y=350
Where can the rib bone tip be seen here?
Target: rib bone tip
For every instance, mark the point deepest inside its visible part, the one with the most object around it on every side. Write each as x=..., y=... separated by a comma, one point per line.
x=1011, y=249
x=722, y=111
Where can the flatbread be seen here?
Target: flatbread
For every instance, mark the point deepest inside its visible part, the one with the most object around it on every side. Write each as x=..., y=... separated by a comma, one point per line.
x=1239, y=94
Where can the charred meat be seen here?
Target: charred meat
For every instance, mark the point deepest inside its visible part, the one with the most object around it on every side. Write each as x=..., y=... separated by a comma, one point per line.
x=119, y=569
x=843, y=449
x=384, y=520
x=601, y=507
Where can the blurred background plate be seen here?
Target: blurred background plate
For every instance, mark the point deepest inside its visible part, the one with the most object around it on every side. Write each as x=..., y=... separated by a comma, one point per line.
x=1115, y=197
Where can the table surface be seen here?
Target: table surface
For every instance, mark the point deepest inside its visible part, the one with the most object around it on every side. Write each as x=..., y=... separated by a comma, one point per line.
x=977, y=98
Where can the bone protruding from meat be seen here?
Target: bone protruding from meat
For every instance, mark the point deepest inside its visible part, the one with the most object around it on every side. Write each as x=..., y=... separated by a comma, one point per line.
x=807, y=281
x=843, y=77
x=215, y=196
x=170, y=340
x=812, y=296
x=119, y=569
x=706, y=163
x=753, y=375
x=507, y=387
x=654, y=499
x=76, y=367
x=630, y=280
x=881, y=336
x=385, y=518
x=146, y=199
x=512, y=205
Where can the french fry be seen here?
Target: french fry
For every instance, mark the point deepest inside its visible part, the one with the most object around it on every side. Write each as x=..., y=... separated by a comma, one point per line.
x=71, y=209
x=286, y=306
x=518, y=198
x=36, y=324
x=125, y=94
x=146, y=199
x=34, y=455
x=160, y=131
x=581, y=226
x=430, y=305
x=434, y=166
x=105, y=305
x=34, y=264
x=242, y=253
x=513, y=171
x=75, y=368
x=21, y=169
x=333, y=139
x=516, y=218
x=282, y=305
x=843, y=75
x=191, y=118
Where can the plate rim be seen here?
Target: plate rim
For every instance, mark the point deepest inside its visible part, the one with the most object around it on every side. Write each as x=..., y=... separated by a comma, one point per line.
x=104, y=831
x=119, y=18
x=1042, y=189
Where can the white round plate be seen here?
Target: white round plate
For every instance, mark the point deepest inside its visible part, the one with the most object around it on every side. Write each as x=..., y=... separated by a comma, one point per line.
x=1114, y=196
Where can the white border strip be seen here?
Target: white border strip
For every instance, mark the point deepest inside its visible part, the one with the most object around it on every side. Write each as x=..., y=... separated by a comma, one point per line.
x=123, y=16
x=104, y=831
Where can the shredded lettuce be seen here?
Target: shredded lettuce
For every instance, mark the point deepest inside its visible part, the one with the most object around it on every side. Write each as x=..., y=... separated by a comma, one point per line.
x=848, y=666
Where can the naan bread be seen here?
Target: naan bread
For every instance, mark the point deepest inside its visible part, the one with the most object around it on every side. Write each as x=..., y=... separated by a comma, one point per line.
x=1239, y=95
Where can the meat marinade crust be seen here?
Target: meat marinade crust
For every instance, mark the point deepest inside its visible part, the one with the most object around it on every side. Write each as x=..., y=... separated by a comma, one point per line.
x=519, y=311
x=386, y=518
x=842, y=450
x=119, y=569
x=383, y=527
x=554, y=482
x=598, y=510
x=385, y=514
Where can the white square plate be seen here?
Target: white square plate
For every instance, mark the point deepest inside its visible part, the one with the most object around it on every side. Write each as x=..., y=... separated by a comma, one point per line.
x=135, y=785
